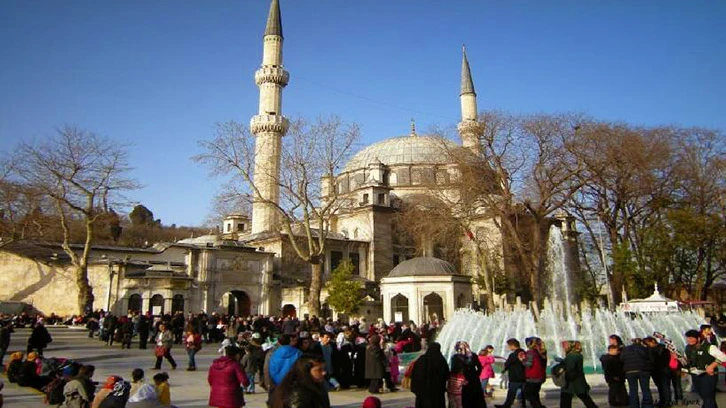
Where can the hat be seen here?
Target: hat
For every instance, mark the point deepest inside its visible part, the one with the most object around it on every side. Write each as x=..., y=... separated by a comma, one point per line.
x=256, y=335
x=304, y=335
x=371, y=402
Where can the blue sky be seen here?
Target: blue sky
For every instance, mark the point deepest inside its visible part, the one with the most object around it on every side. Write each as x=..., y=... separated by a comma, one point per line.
x=159, y=74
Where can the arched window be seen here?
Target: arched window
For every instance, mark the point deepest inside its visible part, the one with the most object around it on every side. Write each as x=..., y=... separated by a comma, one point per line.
x=433, y=307
x=135, y=303
x=289, y=311
x=156, y=305
x=399, y=308
x=177, y=304
x=238, y=303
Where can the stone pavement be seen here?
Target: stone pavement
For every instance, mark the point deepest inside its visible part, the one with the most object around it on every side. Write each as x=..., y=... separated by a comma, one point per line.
x=190, y=389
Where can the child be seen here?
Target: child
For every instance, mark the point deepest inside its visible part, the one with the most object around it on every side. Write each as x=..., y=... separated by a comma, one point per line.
x=161, y=380
x=612, y=367
x=454, y=388
x=394, y=362
x=137, y=380
x=249, y=368
x=486, y=358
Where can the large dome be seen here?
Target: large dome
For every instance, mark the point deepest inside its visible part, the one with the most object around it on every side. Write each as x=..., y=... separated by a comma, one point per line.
x=423, y=266
x=410, y=149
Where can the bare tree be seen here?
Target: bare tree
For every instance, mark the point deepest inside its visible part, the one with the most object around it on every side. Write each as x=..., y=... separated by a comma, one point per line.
x=627, y=177
x=82, y=174
x=312, y=153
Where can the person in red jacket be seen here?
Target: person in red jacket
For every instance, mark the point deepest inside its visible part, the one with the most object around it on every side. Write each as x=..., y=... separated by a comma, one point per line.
x=535, y=370
x=224, y=378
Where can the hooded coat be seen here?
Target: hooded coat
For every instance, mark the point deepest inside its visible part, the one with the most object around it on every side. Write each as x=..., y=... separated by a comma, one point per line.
x=281, y=361
x=224, y=378
x=428, y=378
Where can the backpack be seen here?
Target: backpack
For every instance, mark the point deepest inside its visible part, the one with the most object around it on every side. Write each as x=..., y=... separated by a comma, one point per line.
x=54, y=391
x=558, y=375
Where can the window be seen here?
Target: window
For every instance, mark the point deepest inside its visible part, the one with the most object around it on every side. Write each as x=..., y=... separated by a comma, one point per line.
x=335, y=258
x=396, y=259
x=240, y=227
x=355, y=260
x=381, y=199
x=365, y=198
x=229, y=227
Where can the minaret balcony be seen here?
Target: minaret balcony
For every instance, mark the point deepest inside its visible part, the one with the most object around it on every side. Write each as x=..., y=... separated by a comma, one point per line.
x=276, y=75
x=470, y=127
x=269, y=124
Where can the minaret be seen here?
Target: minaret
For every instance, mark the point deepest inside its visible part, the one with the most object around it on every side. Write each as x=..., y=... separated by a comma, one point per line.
x=469, y=128
x=269, y=126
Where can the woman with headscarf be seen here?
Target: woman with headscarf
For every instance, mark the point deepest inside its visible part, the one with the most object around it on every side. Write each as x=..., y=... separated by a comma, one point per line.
x=428, y=378
x=28, y=375
x=535, y=370
x=468, y=362
x=575, y=376
x=14, y=366
x=114, y=394
x=39, y=338
x=375, y=364
x=303, y=385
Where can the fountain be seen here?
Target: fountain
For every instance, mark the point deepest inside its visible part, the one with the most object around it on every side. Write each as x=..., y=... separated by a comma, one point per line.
x=557, y=321
x=480, y=329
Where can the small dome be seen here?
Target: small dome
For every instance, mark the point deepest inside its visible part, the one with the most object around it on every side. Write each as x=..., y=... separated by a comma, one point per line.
x=410, y=149
x=423, y=266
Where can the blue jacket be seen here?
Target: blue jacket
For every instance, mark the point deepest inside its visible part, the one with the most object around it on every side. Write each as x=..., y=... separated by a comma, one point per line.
x=281, y=361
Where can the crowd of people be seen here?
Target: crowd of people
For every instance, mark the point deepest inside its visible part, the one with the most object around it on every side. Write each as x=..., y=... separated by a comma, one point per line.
x=298, y=362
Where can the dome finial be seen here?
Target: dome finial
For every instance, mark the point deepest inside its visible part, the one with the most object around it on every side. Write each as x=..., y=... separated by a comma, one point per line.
x=413, y=127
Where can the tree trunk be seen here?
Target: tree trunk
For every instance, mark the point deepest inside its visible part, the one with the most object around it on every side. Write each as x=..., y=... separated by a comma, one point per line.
x=487, y=279
x=85, y=291
x=316, y=283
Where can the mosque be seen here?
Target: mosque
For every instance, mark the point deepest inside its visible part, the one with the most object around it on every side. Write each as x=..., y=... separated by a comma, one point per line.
x=249, y=267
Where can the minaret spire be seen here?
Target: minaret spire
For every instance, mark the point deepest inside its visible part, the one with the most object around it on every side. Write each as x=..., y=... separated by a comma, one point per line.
x=269, y=126
x=469, y=128
x=274, y=20
x=467, y=85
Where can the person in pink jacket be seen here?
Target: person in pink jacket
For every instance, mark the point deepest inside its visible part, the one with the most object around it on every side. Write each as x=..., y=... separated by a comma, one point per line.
x=486, y=358
x=225, y=377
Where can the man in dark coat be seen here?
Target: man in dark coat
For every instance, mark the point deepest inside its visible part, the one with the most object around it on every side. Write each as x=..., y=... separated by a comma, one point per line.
x=637, y=365
x=661, y=373
x=612, y=368
x=143, y=329
x=375, y=366
x=428, y=378
x=515, y=367
x=39, y=338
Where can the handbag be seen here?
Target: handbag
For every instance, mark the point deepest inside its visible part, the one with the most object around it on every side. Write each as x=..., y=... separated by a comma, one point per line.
x=160, y=351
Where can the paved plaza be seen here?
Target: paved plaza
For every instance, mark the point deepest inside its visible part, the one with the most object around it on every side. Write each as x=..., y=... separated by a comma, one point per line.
x=190, y=389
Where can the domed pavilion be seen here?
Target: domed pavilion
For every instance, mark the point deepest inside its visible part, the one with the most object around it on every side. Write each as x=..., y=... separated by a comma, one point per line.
x=424, y=289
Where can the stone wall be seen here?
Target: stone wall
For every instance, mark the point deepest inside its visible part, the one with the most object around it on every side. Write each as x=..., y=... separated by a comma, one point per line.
x=49, y=286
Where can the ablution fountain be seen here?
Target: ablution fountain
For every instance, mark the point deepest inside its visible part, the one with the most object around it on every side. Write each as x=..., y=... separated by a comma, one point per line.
x=559, y=320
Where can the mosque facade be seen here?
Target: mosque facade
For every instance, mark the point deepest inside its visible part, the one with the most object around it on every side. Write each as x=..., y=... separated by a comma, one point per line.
x=250, y=267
